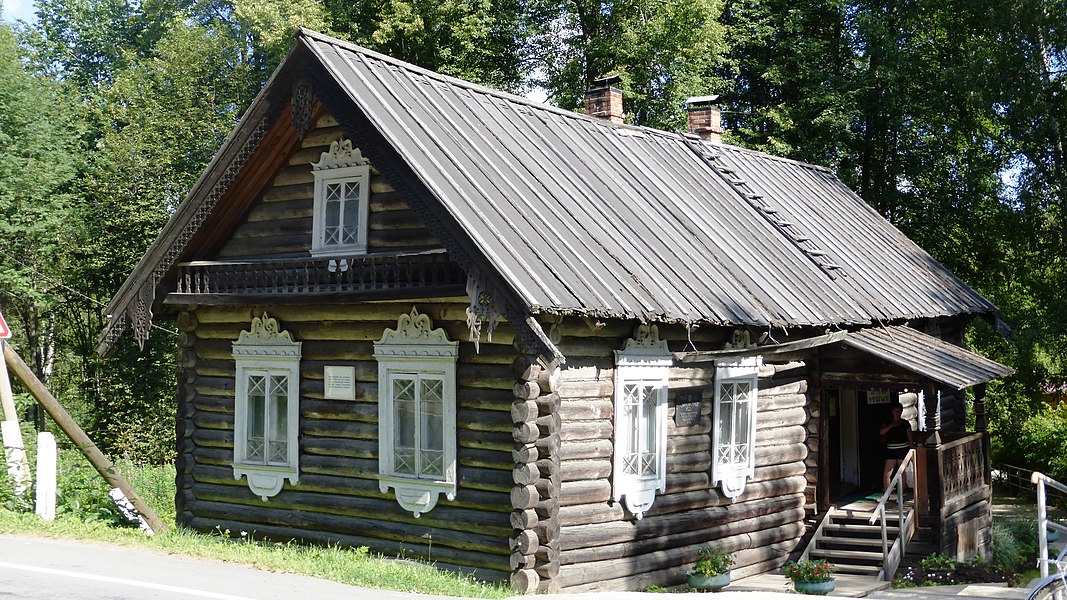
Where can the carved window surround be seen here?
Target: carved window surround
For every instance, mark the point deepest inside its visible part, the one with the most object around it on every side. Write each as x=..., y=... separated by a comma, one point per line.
x=266, y=358
x=734, y=423
x=342, y=192
x=639, y=467
x=417, y=382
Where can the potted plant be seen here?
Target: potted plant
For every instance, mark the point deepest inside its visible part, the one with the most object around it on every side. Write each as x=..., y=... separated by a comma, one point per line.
x=811, y=576
x=712, y=569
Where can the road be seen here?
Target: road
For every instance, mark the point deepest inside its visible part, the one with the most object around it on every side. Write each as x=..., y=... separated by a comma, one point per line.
x=46, y=569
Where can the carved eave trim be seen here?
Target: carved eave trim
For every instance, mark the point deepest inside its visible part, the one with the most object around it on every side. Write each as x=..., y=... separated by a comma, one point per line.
x=266, y=339
x=644, y=348
x=340, y=155
x=415, y=337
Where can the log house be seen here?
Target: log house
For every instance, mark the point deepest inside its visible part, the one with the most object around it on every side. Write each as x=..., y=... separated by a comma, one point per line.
x=445, y=322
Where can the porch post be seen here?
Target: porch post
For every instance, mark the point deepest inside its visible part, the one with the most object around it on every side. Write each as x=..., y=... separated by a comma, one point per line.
x=981, y=425
x=933, y=460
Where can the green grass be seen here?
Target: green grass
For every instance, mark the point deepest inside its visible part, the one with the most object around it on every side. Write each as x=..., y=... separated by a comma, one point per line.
x=84, y=513
x=353, y=566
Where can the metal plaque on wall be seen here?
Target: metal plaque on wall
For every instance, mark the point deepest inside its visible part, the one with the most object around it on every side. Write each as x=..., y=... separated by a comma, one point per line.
x=687, y=409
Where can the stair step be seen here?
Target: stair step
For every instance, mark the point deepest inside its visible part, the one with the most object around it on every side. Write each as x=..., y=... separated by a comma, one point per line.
x=870, y=570
x=848, y=556
x=860, y=531
x=858, y=543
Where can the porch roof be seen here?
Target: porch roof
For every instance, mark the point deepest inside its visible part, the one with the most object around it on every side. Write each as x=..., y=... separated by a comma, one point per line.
x=927, y=356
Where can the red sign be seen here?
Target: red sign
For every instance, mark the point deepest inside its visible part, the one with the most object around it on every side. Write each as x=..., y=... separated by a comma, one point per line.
x=5, y=333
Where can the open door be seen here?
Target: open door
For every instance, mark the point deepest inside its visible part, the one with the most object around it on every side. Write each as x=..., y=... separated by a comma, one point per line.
x=848, y=427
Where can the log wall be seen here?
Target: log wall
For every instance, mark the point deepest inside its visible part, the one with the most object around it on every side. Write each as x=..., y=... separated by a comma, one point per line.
x=279, y=223
x=603, y=549
x=337, y=498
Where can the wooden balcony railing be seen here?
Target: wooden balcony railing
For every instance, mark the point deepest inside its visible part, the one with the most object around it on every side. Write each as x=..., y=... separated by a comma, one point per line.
x=369, y=273
x=961, y=462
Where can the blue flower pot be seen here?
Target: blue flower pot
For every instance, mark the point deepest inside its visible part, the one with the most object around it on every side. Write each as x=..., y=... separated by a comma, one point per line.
x=708, y=583
x=814, y=588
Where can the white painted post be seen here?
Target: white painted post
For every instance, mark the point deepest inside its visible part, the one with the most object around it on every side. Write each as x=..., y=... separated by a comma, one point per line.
x=14, y=450
x=46, y=476
x=1042, y=524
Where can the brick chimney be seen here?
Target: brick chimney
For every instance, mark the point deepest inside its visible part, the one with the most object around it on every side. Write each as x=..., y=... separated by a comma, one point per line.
x=604, y=101
x=705, y=118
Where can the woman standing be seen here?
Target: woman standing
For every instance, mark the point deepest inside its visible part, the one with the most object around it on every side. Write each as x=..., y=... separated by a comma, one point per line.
x=897, y=435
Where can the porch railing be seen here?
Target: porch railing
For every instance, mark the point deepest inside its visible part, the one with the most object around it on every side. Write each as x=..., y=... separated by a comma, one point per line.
x=1043, y=523
x=964, y=481
x=892, y=555
x=313, y=275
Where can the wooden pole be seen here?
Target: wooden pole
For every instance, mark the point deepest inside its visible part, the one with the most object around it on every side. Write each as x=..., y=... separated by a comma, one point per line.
x=14, y=449
x=81, y=440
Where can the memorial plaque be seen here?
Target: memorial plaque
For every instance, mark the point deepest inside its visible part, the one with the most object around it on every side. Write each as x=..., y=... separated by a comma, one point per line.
x=687, y=409
x=339, y=383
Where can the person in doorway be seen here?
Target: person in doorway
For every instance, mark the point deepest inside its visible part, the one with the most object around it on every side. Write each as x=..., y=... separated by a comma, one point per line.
x=896, y=433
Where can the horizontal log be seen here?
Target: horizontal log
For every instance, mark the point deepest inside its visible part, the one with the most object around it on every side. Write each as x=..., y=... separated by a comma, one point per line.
x=592, y=409
x=484, y=567
x=577, y=470
x=703, y=535
x=585, y=430
x=524, y=453
x=525, y=581
x=522, y=561
x=671, y=562
x=581, y=450
x=381, y=514
x=523, y=411
x=524, y=519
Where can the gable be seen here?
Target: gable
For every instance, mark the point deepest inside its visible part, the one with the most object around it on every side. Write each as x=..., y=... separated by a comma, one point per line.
x=279, y=223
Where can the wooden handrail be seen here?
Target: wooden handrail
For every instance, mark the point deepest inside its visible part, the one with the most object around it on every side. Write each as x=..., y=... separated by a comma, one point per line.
x=960, y=441
x=891, y=556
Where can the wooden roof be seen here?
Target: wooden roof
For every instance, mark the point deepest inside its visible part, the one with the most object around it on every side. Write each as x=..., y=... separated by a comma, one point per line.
x=574, y=215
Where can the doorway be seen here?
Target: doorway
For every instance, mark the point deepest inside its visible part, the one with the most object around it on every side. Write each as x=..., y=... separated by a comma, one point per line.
x=856, y=454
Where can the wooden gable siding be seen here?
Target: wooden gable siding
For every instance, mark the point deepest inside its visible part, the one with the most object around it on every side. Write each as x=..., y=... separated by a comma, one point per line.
x=603, y=549
x=280, y=221
x=338, y=499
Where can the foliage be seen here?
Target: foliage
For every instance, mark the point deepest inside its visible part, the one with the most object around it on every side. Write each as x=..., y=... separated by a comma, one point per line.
x=1014, y=543
x=713, y=561
x=937, y=569
x=809, y=571
x=664, y=53
x=938, y=562
x=1043, y=439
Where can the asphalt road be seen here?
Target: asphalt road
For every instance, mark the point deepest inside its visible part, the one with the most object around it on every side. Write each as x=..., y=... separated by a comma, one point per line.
x=48, y=569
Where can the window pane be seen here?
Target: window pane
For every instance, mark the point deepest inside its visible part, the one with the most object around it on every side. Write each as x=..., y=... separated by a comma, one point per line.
x=350, y=222
x=741, y=425
x=404, y=425
x=332, y=217
x=724, y=453
x=254, y=424
x=650, y=437
x=278, y=412
x=630, y=426
x=432, y=427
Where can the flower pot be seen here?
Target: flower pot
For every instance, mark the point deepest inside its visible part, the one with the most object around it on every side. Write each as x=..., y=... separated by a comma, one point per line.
x=709, y=583
x=814, y=588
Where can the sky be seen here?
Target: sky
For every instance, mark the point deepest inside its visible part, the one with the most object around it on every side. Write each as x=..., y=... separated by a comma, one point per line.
x=15, y=10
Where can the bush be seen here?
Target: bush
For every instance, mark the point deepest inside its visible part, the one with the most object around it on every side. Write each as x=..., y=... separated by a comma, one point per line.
x=1043, y=441
x=1014, y=543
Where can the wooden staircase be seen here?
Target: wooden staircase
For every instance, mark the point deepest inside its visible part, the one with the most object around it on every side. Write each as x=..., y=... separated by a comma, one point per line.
x=846, y=539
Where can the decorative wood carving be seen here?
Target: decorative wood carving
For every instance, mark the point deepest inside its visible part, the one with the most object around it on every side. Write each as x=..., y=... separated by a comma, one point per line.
x=303, y=104
x=265, y=338
x=483, y=307
x=340, y=155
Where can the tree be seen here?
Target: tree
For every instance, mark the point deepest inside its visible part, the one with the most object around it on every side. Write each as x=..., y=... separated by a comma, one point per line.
x=664, y=53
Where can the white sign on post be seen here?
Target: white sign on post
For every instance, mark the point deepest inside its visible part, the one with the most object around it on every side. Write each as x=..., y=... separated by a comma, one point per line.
x=46, y=476
x=15, y=454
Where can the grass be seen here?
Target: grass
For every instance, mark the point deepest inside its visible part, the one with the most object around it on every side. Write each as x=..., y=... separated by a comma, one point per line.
x=83, y=513
x=353, y=566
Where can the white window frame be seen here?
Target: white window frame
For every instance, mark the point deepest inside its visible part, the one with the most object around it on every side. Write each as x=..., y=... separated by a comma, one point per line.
x=733, y=477
x=342, y=164
x=644, y=361
x=266, y=350
x=416, y=349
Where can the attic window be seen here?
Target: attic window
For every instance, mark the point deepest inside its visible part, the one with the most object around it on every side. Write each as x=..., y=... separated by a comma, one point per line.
x=342, y=182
